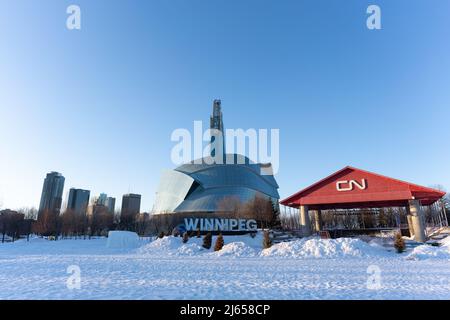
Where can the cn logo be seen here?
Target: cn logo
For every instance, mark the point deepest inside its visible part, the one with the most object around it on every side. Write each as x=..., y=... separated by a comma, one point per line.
x=346, y=185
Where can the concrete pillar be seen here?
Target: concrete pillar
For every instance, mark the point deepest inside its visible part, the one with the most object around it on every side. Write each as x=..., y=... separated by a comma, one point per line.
x=318, y=220
x=409, y=219
x=305, y=222
x=410, y=225
x=417, y=216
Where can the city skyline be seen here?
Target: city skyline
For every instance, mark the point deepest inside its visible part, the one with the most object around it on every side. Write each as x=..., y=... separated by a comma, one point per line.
x=99, y=104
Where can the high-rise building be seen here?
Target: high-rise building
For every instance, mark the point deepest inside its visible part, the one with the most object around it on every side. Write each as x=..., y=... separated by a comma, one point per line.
x=52, y=191
x=101, y=200
x=96, y=209
x=78, y=200
x=131, y=204
x=111, y=204
x=216, y=122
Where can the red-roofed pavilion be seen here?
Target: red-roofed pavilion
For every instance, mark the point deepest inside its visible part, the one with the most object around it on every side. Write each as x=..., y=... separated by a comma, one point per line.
x=351, y=188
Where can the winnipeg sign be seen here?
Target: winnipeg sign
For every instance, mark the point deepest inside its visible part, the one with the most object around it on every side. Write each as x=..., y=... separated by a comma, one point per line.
x=218, y=224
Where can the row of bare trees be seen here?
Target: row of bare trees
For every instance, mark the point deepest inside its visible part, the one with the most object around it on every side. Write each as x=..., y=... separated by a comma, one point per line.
x=362, y=218
x=349, y=219
x=259, y=208
x=13, y=224
x=71, y=224
x=446, y=202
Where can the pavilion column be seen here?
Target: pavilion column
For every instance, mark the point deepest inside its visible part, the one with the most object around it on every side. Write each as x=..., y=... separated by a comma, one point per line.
x=305, y=222
x=417, y=220
x=318, y=220
x=410, y=223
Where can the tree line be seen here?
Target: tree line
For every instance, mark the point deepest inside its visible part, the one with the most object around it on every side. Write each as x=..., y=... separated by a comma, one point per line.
x=14, y=224
x=70, y=224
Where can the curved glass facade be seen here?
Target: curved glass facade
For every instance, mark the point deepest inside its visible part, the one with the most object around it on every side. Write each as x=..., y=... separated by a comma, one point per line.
x=202, y=187
x=172, y=191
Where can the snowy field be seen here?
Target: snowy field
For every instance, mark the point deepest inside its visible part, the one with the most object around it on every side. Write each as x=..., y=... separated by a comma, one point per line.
x=167, y=269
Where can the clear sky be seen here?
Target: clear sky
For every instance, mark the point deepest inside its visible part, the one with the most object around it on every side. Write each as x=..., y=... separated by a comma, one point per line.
x=99, y=104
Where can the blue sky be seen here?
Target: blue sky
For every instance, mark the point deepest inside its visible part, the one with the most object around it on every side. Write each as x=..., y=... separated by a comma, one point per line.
x=99, y=104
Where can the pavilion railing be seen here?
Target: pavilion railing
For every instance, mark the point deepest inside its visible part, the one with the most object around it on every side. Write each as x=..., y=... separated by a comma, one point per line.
x=369, y=219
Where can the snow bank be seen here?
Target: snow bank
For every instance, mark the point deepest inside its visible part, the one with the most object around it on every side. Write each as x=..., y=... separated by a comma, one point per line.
x=235, y=246
x=445, y=242
x=236, y=249
x=122, y=240
x=245, y=246
x=429, y=252
x=324, y=248
x=426, y=251
x=172, y=246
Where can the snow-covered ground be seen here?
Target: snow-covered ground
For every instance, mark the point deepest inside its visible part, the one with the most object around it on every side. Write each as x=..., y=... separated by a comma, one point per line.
x=167, y=269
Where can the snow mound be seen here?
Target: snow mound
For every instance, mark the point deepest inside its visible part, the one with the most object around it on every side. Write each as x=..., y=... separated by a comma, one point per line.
x=236, y=249
x=426, y=251
x=172, y=246
x=445, y=242
x=166, y=243
x=188, y=249
x=247, y=247
x=122, y=240
x=324, y=248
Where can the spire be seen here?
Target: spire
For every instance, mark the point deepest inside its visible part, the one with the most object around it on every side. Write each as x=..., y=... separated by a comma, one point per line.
x=216, y=122
x=216, y=118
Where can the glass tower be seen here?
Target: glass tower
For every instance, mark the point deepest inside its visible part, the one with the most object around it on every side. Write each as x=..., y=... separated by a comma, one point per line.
x=52, y=191
x=110, y=204
x=78, y=200
x=131, y=204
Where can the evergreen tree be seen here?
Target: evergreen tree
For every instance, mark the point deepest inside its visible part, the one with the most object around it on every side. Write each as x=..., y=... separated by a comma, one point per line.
x=275, y=223
x=207, y=241
x=185, y=237
x=219, y=243
x=267, y=242
x=399, y=243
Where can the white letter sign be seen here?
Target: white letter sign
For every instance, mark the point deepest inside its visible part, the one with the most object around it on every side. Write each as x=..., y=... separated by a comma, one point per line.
x=346, y=185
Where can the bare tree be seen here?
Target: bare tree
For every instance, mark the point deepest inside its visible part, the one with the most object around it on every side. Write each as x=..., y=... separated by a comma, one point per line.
x=11, y=223
x=367, y=218
x=141, y=223
x=231, y=205
x=3, y=225
x=30, y=213
x=81, y=225
x=68, y=223
x=383, y=219
x=446, y=201
x=26, y=226
x=47, y=223
x=262, y=210
x=16, y=221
